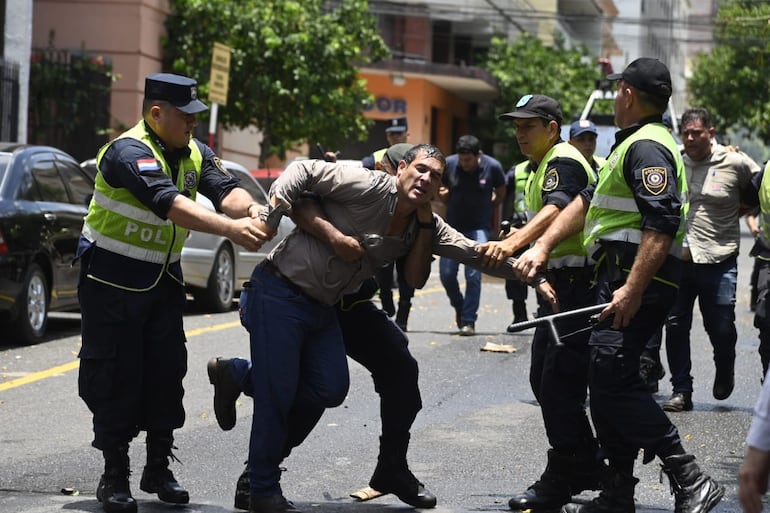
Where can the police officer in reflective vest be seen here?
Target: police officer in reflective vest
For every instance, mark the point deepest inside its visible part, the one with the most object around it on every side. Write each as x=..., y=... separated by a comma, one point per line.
x=558, y=371
x=131, y=291
x=633, y=221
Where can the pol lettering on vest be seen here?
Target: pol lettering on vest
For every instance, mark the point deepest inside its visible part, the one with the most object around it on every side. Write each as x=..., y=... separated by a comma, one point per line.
x=145, y=234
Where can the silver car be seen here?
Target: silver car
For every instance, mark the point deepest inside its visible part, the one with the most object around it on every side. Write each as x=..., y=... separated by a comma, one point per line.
x=214, y=267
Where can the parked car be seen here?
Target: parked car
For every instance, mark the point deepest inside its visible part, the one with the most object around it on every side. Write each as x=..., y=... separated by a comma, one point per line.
x=214, y=267
x=44, y=197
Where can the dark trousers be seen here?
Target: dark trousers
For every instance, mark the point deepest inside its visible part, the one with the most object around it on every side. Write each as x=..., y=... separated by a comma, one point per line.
x=762, y=312
x=625, y=414
x=378, y=344
x=384, y=279
x=298, y=368
x=559, y=373
x=132, y=360
x=714, y=285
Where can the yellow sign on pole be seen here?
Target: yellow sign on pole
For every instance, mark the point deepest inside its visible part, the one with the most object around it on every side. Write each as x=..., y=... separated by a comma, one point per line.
x=220, y=74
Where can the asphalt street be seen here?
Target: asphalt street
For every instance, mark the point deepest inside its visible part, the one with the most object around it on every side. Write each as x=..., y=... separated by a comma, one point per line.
x=478, y=439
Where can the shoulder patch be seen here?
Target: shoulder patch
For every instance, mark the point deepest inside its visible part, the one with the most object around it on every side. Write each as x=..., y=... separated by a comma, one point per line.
x=654, y=179
x=221, y=167
x=146, y=165
x=551, y=180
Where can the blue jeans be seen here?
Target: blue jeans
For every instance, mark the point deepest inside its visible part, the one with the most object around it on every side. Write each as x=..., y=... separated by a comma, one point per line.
x=468, y=306
x=298, y=368
x=714, y=285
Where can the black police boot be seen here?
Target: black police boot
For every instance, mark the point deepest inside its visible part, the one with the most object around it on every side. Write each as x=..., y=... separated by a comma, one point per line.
x=386, y=300
x=694, y=491
x=114, y=491
x=552, y=490
x=617, y=496
x=226, y=391
x=392, y=474
x=242, y=490
x=402, y=316
x=588, y=473
x=157, y=477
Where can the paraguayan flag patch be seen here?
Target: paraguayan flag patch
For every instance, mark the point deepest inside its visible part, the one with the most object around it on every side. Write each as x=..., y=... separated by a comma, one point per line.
x=145, y=165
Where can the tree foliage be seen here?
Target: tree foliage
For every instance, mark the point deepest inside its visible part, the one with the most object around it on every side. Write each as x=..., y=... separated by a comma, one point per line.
x=529, y=67
x=293, y=68
x=733, y=81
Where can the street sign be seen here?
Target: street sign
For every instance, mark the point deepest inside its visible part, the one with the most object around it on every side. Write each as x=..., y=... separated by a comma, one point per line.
x=220, y=74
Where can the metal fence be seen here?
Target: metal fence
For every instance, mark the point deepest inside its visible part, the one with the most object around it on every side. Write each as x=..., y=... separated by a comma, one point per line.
x=69, y=100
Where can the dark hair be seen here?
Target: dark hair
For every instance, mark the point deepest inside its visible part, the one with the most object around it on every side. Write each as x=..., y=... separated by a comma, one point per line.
x=147, y=104
x=429, y=150
x=468, y=144
x=697, y=114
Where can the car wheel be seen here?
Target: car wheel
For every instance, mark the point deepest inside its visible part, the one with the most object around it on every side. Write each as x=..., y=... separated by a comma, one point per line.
x=33, y=306
x=220, y=290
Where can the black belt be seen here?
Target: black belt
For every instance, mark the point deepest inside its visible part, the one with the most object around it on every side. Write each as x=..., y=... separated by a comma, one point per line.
x=271, y=268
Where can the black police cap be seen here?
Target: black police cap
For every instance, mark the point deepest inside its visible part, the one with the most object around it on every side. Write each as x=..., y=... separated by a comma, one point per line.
x=536, y=106
x=648, y=75
x=179, y=91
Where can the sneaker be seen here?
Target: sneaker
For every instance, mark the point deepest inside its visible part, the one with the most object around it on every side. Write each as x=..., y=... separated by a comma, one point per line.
x=468, y=330
x=679, y=401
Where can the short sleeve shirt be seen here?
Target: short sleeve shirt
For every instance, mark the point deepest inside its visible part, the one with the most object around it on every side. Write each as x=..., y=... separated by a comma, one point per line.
x=470, y=193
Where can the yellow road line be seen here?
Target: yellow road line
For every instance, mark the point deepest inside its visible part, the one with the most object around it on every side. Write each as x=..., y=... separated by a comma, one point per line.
x=60, y=369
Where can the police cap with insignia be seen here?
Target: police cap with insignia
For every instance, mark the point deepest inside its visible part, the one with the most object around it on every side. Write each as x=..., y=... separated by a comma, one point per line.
x=179, y=91
x=396, y=125
x=648, y=75
x=535, y=106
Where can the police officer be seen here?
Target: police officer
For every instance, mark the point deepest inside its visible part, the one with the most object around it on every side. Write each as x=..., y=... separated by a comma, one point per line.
x=515, y=211
x=131, y=290
x=558, y=371
x=396, y=132
x=582, y=135
x=634, y=225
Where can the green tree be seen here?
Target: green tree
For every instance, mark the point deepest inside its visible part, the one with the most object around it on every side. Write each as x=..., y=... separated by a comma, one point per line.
x=733, y=80
x=529, y=67
x=293, y=68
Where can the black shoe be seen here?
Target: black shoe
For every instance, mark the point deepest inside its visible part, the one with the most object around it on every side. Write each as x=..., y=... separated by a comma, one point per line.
x=226, y=391
x=242, y=490
x=402, y=483
x=160, y=480
x=680, y=401
x=271, y=504
x=724, y=382
x=114, y=493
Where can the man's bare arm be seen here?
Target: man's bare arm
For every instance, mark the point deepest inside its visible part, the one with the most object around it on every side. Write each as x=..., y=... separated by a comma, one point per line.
x=308, y=215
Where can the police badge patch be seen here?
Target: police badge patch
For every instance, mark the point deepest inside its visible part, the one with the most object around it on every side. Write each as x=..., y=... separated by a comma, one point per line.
x=221, y=167
x=190, y=180
x=551, y=180
x=654, y=179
